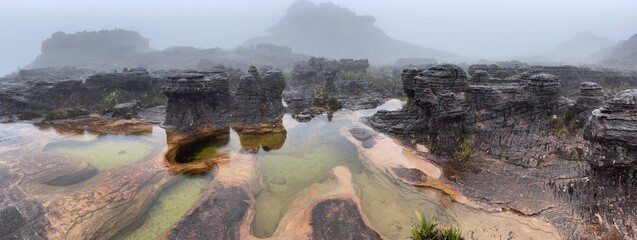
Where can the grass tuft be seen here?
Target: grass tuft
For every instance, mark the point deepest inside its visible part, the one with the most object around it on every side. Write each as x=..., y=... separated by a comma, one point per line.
x=426, y=230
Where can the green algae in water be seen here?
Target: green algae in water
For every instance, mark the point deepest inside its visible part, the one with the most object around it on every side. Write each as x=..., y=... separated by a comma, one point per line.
x=205, y=152
x=203, y=148
x=286, y=176
x=108, y=154
x=267, y=141
x=170, y=206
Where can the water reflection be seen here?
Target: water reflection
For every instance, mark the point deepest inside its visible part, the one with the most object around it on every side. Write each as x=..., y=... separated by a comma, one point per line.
x=267, y=141
x=197, y=153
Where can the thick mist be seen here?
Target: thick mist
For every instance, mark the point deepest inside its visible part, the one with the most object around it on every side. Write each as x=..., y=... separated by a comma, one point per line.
x=491, y=29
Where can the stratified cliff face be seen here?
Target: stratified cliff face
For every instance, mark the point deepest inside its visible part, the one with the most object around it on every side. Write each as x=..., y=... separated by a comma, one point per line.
x=203, y=99
x=90, y=49
x=510, y=118
x=571, y=77
x=612, y=132
x=335, y=32
x=606, y=194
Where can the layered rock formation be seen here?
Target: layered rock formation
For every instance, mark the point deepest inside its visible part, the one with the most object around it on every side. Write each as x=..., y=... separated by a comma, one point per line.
x=605, y=195
x=203, y=99
x=88, y=95
x=507, y=118
x=591, y=97
x=612, y=132
x=317, y=80
x=571, y=77
x=495, y=70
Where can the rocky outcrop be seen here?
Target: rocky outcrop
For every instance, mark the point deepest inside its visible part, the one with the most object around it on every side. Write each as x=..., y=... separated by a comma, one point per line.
x=590, y=98
x=495, y=70
x=506, y=118
x=438, y=99
x=203, y=99
x=605, y=194
x=42, y=97
x=50, y=74
x=354, y=65
x=571, y=77
x=612, y=132
x=316, y=82
x=126, y=110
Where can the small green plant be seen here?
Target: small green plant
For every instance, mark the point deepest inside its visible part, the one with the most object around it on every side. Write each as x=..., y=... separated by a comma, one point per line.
x=110, y=100
x=557, y=123
x=464, y=150
x=319, y=96
x=426, y=230
x=575, y=127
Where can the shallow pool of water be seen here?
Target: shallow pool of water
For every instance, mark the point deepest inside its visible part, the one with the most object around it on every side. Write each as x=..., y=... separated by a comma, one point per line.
x=289, y=161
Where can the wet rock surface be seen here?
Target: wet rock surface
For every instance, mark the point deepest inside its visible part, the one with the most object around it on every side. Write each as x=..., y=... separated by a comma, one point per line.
x=110, y=207
x=227, y=207
x=364, y=135
x=92, y=205
x=216, y=217
x=329, y=210
x=97, y=126
x=339, y=219
x=22, y=215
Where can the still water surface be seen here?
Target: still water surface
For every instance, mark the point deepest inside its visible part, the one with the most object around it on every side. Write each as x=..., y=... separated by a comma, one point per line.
x=290, y=162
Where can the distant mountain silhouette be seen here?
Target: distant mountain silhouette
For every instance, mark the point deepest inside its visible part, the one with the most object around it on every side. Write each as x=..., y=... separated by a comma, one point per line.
x=335, y=32
x=580, y=48
x=623, y=54
x=101, y=49
x=108, y=50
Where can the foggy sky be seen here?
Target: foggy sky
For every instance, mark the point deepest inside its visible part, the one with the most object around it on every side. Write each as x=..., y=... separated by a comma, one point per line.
x=492, y=29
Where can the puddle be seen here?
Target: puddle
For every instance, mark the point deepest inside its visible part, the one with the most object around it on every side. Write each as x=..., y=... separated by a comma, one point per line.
x=171, y=204
x=106, y=152
x=290, y=160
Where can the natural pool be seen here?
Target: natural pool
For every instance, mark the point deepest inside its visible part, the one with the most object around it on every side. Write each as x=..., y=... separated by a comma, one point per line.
x=290, y=161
